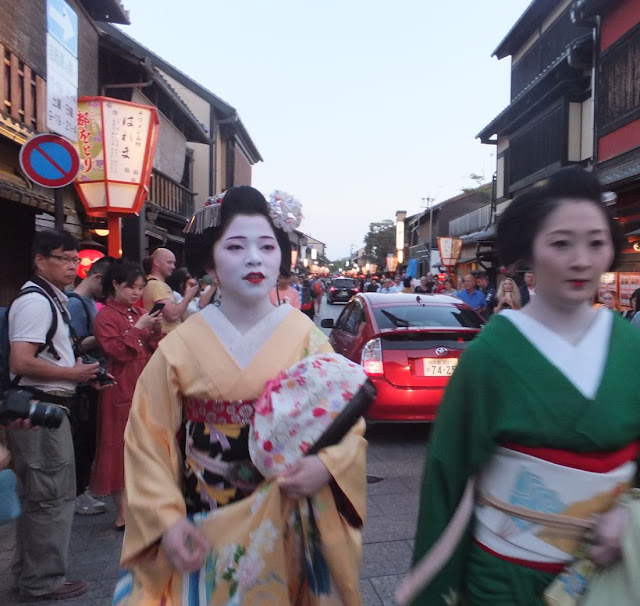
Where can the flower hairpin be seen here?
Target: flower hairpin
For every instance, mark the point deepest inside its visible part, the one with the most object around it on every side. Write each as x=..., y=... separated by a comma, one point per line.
x=285, y=210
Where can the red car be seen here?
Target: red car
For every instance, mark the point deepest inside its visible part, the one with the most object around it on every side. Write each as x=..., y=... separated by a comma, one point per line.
x=409, y=346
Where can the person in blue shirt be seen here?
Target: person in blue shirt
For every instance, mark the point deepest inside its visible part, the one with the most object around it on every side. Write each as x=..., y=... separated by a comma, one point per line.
x=474, y=298
x=82, y=311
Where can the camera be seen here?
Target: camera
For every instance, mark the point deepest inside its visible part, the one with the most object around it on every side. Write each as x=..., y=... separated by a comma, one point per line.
x=19, y=404
x=102, y=377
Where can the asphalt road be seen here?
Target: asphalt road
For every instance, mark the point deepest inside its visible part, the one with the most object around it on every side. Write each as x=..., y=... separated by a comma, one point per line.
x=394, y=466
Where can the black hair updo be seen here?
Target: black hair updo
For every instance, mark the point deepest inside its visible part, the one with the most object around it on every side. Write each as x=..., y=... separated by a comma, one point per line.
x=520, y=223
x=241, y=200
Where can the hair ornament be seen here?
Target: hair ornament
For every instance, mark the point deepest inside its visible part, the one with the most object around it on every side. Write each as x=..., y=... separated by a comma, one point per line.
x=210, y=215
x=285, y=210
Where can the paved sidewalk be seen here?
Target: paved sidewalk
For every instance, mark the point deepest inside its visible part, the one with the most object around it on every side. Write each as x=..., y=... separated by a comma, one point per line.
x=396, y=454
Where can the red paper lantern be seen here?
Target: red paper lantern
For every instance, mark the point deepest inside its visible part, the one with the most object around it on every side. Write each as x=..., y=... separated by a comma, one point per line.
x=87, y=258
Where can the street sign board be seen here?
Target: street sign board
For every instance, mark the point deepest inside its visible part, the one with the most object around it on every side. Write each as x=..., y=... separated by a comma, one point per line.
x=50, y=160
x=62, y=24
x=62, y=69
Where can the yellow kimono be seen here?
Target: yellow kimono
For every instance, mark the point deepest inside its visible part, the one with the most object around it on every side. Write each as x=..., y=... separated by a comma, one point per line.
x=263, y=548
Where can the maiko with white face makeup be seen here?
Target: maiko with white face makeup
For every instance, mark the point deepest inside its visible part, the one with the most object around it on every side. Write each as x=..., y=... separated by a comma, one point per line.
x=247, y=260
x=202, y=384
x=544, y=392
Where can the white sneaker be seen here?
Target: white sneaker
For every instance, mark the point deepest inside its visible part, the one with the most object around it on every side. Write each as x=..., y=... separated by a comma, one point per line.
x=87, y=505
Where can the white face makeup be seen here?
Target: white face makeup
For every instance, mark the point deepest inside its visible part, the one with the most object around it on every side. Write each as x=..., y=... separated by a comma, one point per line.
x=571, y=250
x=247, y=259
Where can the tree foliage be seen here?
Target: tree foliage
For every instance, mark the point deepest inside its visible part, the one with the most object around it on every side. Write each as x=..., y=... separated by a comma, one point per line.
x=480, y=185
x=380, y=241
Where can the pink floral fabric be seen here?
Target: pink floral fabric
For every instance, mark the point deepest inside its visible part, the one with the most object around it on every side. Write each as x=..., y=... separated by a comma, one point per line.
x=297, y=407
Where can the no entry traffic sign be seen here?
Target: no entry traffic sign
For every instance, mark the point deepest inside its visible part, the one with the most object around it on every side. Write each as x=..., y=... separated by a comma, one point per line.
x=50, y=160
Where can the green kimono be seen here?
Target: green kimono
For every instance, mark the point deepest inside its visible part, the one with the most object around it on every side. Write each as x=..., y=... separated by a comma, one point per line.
x=505, y=391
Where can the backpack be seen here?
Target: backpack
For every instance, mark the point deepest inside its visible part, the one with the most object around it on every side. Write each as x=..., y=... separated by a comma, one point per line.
x=5, y=344
x=306, y=298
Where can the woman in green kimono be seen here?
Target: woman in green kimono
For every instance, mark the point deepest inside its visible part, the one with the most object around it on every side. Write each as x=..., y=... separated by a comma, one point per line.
x=544, y=408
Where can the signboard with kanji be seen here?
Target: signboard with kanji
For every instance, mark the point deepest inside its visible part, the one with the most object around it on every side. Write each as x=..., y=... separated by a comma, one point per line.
x=62, y=68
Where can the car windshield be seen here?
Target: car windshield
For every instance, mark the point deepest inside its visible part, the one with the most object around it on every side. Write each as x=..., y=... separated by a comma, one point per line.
x=343, y=283
x=427, y=316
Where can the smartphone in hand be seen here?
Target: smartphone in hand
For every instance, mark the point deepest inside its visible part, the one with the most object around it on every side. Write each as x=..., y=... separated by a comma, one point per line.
x=156, y=308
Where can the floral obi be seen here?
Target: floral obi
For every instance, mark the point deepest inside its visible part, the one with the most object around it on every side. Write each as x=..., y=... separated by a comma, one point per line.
x=218, y=412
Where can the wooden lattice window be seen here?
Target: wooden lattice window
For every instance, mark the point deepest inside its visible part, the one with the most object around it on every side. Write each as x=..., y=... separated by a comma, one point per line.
x=22, y=92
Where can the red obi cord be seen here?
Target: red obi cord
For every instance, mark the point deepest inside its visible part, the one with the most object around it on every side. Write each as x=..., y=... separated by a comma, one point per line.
x=218, y=412
x=597, y=462
x=551, y=568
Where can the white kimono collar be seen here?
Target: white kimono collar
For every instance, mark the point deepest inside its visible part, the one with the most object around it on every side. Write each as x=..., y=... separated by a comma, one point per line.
x=243, y=348
x=583, y=363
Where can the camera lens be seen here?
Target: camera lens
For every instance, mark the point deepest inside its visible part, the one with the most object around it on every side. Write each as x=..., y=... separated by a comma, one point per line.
x=46, y=415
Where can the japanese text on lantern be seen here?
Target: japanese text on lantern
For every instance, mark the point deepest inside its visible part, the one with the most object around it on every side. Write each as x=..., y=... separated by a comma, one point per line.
x=125, y=131
x=90, y=144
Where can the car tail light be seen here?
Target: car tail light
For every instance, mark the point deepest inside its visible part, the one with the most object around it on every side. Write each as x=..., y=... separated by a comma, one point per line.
x=356, y=290
x=372, y=358
x=333, y=289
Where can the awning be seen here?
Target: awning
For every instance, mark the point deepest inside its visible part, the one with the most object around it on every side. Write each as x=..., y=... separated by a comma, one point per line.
x=16, y=189
x=156, y=232
x=172, y=238
x=479, y=236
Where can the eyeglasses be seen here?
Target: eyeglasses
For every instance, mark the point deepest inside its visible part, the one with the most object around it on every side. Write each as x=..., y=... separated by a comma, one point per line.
x=67, y=260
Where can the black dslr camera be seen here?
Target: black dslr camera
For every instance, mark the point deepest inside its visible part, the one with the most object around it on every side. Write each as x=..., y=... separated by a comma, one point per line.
x=102, y=377
x=19, y=404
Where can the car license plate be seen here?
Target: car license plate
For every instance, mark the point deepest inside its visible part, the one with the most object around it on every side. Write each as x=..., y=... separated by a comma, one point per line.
x=436, y=367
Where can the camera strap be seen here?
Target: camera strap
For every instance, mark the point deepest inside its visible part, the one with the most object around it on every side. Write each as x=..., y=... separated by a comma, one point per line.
x=44, y=285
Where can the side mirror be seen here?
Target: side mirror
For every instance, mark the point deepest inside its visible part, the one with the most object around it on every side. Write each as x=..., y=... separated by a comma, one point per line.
x=327, y=323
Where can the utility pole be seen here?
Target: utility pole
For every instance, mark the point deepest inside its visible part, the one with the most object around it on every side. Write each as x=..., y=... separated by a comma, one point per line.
x=429, y=206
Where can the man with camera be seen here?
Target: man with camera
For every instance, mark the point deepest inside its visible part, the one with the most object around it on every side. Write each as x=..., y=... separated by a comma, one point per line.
x=46, y=367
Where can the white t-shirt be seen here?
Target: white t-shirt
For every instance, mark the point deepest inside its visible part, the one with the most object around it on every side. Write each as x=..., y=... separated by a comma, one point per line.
x=29, y=321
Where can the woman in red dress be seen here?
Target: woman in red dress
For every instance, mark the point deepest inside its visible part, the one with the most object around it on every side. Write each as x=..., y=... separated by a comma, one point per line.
x=127, y=336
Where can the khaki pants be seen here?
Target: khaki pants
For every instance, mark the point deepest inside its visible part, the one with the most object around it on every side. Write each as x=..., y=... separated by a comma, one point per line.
x=44, y=463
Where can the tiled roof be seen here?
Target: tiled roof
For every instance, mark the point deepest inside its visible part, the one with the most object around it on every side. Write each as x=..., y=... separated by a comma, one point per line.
x=229, y=112
x=490, y=129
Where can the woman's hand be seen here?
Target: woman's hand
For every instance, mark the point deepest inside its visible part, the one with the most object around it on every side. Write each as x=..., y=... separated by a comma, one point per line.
x=305, y=478
x=607, y=545
x=147, y=320
x=185, y=546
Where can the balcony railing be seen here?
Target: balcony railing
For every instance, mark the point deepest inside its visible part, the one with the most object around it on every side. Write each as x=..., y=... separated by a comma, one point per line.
x=170, y=195
x=476, y=220
x=545, y=51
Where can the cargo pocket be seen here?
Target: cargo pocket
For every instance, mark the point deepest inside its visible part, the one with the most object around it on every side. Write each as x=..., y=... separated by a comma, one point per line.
x=51, y=476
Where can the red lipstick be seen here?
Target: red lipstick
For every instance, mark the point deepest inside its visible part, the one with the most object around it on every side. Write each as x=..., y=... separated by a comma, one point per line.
x=578, y=283
x=254, y=278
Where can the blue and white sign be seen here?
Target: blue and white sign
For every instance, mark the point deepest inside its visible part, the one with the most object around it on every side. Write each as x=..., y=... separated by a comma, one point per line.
x=62, y=69
x=62, y=24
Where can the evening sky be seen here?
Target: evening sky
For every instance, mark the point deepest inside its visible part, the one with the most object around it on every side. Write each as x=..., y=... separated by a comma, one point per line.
x=359, y=108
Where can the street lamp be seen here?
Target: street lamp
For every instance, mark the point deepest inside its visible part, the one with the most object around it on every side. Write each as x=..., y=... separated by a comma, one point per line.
x=117, y=143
